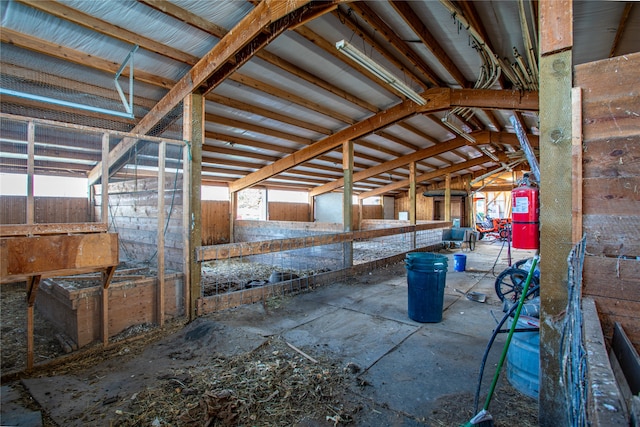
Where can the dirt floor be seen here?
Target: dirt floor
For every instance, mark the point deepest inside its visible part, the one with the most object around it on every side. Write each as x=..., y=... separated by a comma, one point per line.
x=269, y=383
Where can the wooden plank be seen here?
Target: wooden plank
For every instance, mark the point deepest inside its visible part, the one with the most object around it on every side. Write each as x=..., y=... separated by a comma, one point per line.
x=612, y=157
x=576, y=164
x=231, y=250
x=612, y=310
x=556, y=26
x=612, y=196
x=603, y=391
x=610, y=104
x=627, y=356
x=44, y=229
x=57, y=254
x=612, y=235
x=611, y=278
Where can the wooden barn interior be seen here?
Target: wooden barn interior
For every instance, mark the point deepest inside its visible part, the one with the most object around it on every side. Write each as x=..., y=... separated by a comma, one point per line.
x=392, y=122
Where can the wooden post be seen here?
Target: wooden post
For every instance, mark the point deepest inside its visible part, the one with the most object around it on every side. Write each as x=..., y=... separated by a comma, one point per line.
x=233, y=213
x=556, y=32
x=31, y=209
x=162, y=151
x=104, y=214
x=312, y=209
x=447, y=198
x=186, y=226
x=576, y=164
x=347, y=212
x=412, y=201
x=193, y=128
x=32, y=288
x=106, y=280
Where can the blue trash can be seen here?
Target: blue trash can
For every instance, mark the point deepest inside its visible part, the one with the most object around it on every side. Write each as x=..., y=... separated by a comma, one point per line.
x=426, y=277
x=459, y=262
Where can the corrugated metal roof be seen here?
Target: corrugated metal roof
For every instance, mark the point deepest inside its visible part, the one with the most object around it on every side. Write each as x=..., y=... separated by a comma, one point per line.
x=299, y=89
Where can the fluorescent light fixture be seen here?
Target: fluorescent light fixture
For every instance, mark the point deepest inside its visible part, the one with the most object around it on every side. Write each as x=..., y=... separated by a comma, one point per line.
x=486, y=151
x=458, y=131
x=377, y=70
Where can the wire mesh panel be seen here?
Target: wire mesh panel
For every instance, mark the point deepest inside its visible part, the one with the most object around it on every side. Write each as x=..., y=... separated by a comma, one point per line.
x=296, y=263
x=573, y=353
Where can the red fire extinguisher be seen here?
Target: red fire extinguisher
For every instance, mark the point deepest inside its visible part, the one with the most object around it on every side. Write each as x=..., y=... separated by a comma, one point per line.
x=525, y=219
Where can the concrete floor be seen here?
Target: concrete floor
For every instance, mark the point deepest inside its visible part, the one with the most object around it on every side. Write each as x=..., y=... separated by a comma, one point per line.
x=408, y=365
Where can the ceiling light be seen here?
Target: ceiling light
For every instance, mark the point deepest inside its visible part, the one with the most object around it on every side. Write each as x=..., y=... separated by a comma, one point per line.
x=458, y=131
x=486, y=151
x=377, y=70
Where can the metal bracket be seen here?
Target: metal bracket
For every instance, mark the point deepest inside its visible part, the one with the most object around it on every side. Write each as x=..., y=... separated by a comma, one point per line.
x=128, y=105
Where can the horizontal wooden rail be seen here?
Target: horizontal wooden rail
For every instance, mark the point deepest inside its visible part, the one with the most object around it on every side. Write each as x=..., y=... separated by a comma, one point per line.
x=9, y=230
x=233, y=250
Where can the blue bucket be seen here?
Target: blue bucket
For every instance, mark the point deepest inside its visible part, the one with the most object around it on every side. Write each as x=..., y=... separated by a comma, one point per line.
x=426, y=277
x=459, y=262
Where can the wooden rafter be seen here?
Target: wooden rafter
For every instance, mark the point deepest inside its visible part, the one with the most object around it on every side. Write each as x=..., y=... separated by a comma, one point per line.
x=262, y=17
x=437, y=100
x=415, y=23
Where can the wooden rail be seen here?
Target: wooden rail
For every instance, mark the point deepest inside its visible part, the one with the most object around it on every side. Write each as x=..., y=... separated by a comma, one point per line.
x=232, y=250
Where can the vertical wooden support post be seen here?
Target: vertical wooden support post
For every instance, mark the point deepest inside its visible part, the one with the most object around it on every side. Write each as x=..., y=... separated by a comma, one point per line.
x=106, y=280
x=186, y=225
x=32, y=288
x=412, y=201
x=31, y=151
x=162, y=152
x=312, y=209
x=193, y=128
x=104, y=213
x=447, y=197
x=576, y=164
x=556, y=40
x=347, y=212
x=233, y=214
x=360, y=213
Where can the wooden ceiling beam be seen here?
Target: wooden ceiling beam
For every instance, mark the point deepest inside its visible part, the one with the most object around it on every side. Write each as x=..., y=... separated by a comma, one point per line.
x=437, y=99
x=427, y=176
x=413, y=21
x=13, y=37
x=92, y=23
x=282, y=94
x=233, y=123
x=622, y=26
x=264, y=112
x=265, y=14
x=393, y=164
x=219, y=32
x=372, y=19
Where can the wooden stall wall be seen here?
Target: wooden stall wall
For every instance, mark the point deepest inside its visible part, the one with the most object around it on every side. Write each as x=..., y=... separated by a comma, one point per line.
x=215, y=222
x=611, y=189
x=284, y=211
x=424, y=207
x=133, y=214
x=47, y=210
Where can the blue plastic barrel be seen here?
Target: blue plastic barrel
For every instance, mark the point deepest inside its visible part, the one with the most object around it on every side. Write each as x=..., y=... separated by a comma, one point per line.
x=459, y=262
x=523, y=358
x=426, y=277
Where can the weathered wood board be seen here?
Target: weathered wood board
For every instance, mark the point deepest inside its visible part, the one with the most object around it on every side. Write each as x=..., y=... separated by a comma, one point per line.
x=611, y=189
x=23, y=257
